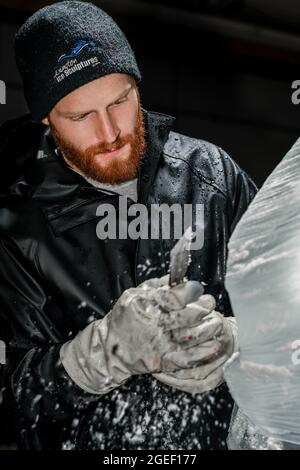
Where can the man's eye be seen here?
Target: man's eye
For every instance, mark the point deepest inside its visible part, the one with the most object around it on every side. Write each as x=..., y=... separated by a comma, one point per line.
x=80, y=118
x=122, y=100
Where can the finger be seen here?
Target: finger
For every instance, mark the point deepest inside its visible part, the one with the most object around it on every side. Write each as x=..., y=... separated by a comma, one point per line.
x=206, y=301
x=198, y=385
x=179, y=296
x=156, y=282
x=190, y=316
x=199, y=372
x=192, y=357
x=210, y=327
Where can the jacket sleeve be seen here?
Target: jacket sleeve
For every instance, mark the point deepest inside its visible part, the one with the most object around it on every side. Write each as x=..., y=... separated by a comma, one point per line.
x=34, y=378
x=238, y=190
x=241, y=190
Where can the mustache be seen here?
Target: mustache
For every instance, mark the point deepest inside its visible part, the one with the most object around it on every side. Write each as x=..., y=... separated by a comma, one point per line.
x=105, y=147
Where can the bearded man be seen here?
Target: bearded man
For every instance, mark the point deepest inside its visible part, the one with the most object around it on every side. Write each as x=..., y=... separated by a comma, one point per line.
x=101, y=352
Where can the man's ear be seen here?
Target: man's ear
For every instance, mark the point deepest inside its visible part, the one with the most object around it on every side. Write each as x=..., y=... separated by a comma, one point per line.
x=45, y=121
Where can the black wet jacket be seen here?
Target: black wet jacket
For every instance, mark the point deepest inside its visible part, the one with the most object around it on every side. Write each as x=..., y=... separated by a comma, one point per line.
x=56, y=276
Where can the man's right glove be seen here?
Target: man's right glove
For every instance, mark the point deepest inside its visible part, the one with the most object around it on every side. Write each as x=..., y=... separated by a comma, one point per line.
x=209, y=374
x=135, y=337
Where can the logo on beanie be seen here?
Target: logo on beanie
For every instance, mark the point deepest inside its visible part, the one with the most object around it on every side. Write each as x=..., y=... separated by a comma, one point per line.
x=77, y=49
x=71, y=64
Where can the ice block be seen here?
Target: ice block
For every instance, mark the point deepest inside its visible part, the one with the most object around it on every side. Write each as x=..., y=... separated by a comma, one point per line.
x=263, y=281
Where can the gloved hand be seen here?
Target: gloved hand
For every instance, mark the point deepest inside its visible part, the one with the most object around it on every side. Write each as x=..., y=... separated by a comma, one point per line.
x=209, y=374
x=136, y=336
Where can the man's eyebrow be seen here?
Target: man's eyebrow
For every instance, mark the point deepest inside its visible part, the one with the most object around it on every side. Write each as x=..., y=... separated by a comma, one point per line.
x=125, y=92
x=82, y=113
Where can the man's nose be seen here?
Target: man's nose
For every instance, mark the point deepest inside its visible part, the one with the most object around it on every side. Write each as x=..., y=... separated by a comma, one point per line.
x=106, y=129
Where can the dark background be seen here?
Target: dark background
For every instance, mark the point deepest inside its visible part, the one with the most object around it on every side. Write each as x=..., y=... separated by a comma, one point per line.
x=224, y=68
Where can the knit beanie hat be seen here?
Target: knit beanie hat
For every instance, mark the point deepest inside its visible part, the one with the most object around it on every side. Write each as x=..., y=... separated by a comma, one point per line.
x=66, y=45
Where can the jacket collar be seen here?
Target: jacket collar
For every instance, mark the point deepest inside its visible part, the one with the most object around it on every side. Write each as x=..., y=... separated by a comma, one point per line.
x=157, y=128
x=67, y=198
x=52, y=180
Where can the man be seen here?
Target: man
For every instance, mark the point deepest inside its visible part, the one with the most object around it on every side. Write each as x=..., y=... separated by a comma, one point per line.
x=101, y=352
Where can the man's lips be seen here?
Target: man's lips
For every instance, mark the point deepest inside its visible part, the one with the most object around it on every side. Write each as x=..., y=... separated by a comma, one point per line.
x=112, y=153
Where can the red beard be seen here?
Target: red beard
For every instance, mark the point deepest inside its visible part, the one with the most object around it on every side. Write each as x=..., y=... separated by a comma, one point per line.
x=111, y=170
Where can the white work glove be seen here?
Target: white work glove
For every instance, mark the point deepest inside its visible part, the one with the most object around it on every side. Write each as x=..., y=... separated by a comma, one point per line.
x=209, y=374
x=135, y=337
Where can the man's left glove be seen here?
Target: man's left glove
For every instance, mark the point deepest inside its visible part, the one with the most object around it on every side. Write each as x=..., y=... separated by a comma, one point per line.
x=208, y=375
